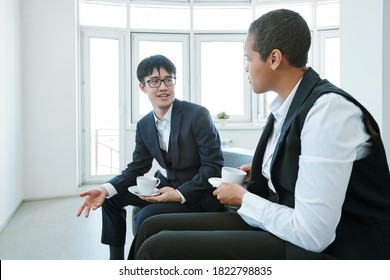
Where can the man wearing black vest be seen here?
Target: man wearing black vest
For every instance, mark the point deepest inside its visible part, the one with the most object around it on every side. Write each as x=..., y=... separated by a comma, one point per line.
x=319, y=185
x=182, y=138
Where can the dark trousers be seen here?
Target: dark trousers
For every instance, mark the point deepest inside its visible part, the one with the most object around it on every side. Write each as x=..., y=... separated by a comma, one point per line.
x=114, y=216
x=210, y=236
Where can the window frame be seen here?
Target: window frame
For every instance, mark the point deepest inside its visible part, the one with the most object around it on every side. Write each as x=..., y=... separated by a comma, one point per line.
x=85, y=36
x=323, y=35
x=247, y=117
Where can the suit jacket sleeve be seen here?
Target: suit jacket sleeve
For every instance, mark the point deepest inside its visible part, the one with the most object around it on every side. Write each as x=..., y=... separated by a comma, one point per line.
x=203, y=151
x=141, y=164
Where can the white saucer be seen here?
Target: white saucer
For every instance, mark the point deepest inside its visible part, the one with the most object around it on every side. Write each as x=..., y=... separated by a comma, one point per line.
x=136, y=191
x=215, y=181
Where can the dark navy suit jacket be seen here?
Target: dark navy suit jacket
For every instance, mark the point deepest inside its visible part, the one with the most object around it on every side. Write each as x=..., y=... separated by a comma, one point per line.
x=195, y=150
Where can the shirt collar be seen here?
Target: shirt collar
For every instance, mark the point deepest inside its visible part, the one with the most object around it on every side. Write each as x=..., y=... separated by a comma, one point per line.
x=279, y=108
x=167, y=116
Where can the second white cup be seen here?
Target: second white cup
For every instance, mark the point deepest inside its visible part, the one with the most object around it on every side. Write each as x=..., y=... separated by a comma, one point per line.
x=233, y=175
x=146, y=185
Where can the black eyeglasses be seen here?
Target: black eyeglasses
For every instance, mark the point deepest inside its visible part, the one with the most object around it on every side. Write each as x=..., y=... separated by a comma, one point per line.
x=155, y=83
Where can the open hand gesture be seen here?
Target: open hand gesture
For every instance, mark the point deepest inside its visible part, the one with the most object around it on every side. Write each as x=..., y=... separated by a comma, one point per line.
x=93, y=200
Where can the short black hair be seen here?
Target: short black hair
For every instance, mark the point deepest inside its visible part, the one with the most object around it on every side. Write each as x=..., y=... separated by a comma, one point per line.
x=284, y=30
x=147, y=65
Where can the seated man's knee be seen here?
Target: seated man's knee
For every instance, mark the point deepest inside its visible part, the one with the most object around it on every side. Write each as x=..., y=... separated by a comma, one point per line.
x=156, y=247
x=147, y=226
x=109, y=203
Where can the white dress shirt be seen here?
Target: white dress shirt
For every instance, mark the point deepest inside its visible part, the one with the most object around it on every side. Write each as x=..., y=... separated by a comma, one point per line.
x=332, y=138
x=164, y=129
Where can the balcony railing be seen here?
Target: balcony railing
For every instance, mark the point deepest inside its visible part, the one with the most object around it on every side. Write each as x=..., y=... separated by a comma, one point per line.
x=105, y=152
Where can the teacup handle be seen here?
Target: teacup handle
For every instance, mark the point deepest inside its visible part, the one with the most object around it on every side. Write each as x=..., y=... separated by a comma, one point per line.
x=158, y=182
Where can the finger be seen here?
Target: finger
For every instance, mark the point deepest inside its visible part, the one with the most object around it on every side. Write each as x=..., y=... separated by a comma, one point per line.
x=148, y=198
x=96, y=206
x=80, y=210
x=86, y=211
x=223, y=185
x=84, y=194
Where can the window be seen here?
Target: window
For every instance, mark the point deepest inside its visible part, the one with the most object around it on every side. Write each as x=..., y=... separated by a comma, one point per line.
x=221, y=83
x=206, y=46
x=102, y=87
x=220, y=18
x=103, y=14
x=328, y=13
x=159, y=17
x=104, y=100
x=330, y=55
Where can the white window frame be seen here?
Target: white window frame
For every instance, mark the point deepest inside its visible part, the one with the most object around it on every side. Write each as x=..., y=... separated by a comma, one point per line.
x=323, y=35
x=86, y=35
x=247, y=117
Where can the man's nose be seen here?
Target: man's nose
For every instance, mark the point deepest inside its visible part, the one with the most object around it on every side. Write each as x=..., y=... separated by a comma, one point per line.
x=162, y=86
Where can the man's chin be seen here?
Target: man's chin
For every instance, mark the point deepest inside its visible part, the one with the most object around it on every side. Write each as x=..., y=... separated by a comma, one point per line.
x=163, y=104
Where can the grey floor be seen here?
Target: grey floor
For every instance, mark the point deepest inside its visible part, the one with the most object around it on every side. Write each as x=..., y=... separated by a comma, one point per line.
x=50, y=230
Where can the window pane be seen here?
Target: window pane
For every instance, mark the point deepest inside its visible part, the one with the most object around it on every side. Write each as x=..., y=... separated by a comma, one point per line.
x=332, y=60
x=222, y=1
x=221, y=18
x=222, y=77
x=165, y=1
x=150, y=17
x=328, y=14
x=104, y=100
x=173, y=51
x=110, y=15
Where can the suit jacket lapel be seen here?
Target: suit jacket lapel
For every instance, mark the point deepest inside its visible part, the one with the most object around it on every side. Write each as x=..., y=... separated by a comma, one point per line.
x=257, y=184
x=175, y=131
x=310, y=78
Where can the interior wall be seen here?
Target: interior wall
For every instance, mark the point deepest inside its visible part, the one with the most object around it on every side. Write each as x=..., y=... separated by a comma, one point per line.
x=11, y=135
x=365, y=39
x=49, y=33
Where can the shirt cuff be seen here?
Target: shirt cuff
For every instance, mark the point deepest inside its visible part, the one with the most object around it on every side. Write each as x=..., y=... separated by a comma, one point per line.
x=110, y=189
x=252, y=208
x=183, y=200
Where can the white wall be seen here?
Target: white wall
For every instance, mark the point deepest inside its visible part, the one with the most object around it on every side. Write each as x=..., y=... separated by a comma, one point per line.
x=11, y=135
x=365, y=64
x=49, y=33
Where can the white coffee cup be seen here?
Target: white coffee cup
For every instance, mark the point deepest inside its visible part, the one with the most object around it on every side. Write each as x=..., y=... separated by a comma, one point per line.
x=233, y=175
x=146, y=184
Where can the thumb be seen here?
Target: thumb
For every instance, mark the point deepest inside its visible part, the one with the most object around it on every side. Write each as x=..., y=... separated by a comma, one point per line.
x=84, y=194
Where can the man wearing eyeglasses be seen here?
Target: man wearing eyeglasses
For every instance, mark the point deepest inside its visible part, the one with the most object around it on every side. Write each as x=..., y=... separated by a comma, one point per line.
x=183, y=140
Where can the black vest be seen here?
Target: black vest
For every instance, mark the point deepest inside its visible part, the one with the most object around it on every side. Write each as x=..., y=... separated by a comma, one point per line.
x=364, y=228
